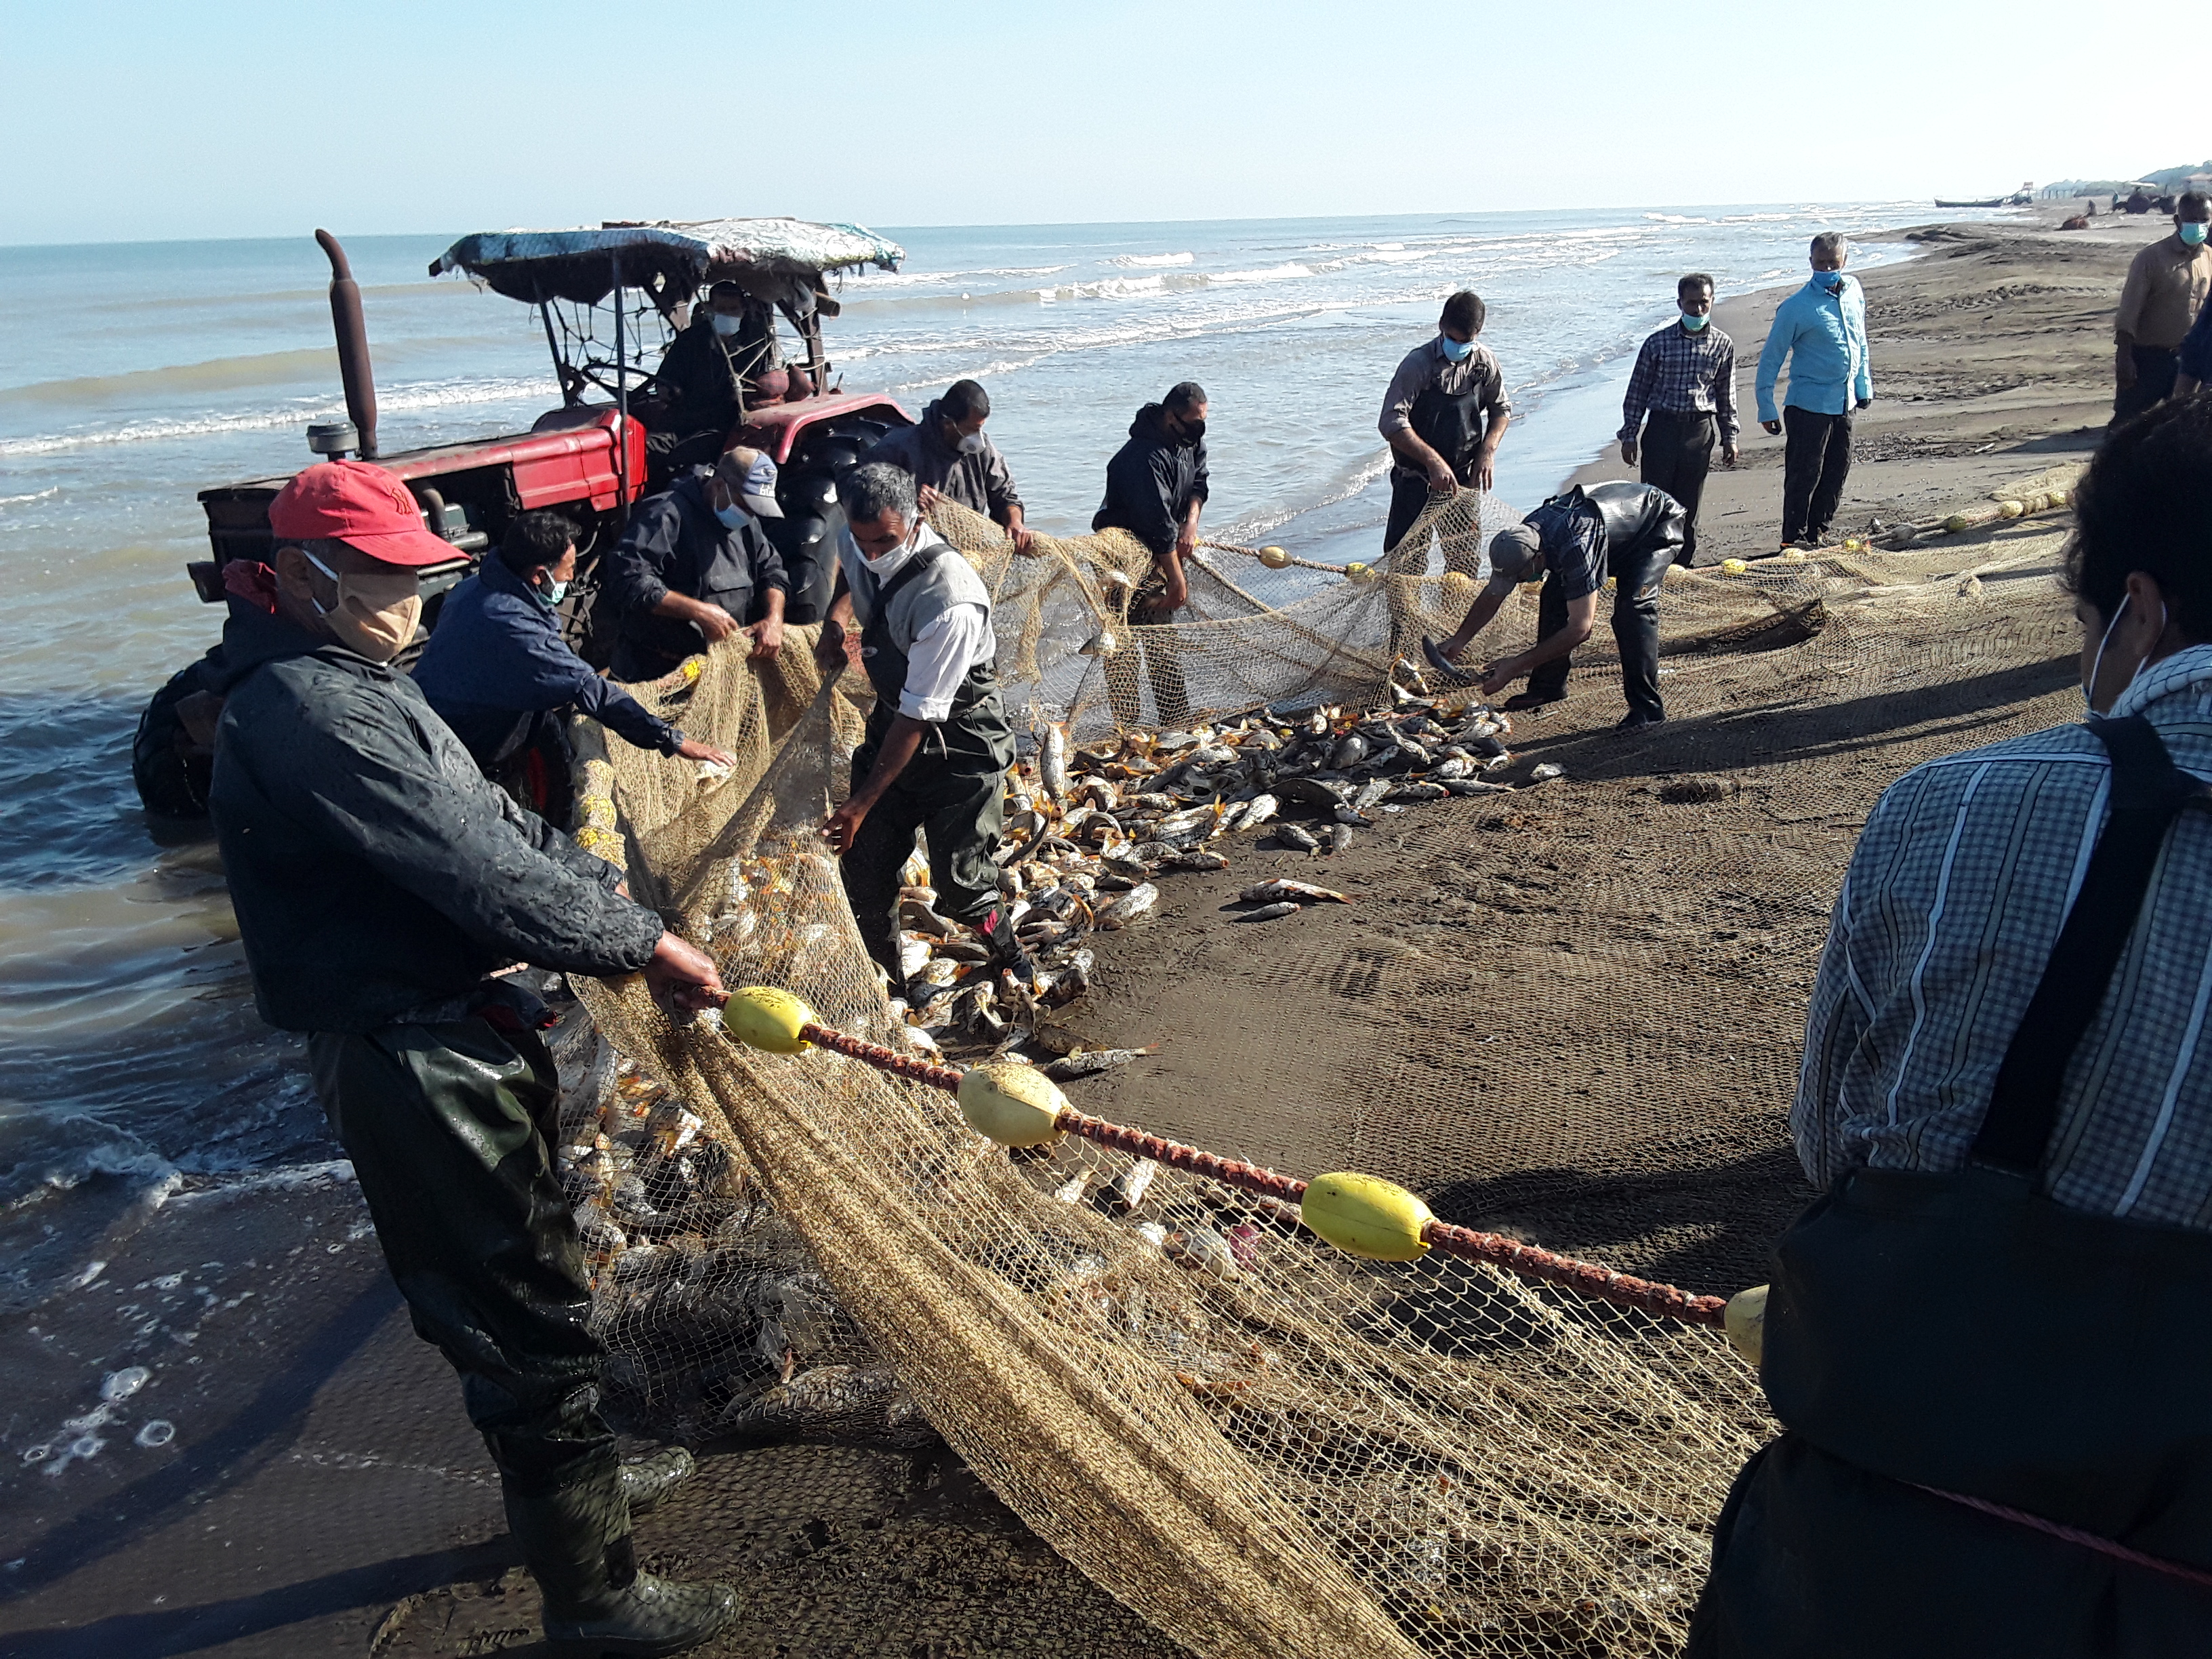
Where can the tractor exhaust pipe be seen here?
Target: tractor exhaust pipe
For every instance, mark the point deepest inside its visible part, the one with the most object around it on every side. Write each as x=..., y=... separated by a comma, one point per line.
x=353, y=345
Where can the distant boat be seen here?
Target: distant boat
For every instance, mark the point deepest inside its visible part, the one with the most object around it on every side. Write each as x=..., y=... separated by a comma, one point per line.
x=2020, y=197
x=1994, y=201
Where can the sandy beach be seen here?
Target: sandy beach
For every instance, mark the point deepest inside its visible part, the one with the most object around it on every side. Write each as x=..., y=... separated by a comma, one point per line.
x=1460, y=1028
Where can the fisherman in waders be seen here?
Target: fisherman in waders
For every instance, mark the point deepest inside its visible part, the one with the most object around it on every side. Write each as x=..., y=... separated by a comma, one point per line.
x=938, y=744
x=1444, y=417
x=1630, y=532
x=379, y=881
x=1986, y=1343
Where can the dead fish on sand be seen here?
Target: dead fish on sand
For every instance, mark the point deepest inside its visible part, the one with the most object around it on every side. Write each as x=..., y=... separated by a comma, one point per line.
x=1052, y=760
x=1090, y=1063
x=1291, y=835
x=1268, y=891
x=1131, y=905
x=1269, y=913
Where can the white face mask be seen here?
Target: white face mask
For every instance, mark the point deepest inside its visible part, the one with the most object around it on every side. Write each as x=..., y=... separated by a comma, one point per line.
x=2097, y=663
x=898, y=550
x=726, y=325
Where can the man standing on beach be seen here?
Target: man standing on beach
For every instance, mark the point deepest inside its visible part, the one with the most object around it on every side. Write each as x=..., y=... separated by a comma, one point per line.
x=383, y=886
x=1444, y=417
x=1684, y=386
x=1155, y=487
x=1821, y=330
x=949, y=454
x=2166, y=290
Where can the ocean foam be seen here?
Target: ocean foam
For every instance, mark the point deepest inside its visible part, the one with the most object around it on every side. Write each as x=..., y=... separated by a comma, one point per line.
x=1141, y=259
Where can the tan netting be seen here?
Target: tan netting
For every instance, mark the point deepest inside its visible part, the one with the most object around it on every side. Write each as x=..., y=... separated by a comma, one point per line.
x=1264, y=1445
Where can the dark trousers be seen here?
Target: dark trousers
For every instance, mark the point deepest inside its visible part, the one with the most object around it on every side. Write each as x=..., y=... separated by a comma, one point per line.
x=1636, y=576
x=2156, y=368
x=960, y=808
x=449, y=1127
x=1409, y=496
x=1162, y=656
x=1816, y=458
x=1815, y=1560
x=1677, y=454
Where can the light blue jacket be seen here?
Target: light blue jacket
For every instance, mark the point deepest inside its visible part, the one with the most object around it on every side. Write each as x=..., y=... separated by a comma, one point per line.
x=1824, y=335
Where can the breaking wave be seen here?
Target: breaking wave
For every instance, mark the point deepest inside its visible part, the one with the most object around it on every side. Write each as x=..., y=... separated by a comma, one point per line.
x=1143, y=259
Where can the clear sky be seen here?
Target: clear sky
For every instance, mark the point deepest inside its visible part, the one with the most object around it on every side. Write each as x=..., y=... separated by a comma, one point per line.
x=129, y=120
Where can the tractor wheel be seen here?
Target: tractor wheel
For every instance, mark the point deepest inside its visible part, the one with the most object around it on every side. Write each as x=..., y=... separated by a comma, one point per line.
x=172, y=773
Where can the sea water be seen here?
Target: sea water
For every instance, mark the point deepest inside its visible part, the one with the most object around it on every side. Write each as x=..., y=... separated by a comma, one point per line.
x=132, y=376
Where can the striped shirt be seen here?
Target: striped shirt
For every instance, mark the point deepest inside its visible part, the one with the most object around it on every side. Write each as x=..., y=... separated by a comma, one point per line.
x=1678, y=372
x=1954, y=900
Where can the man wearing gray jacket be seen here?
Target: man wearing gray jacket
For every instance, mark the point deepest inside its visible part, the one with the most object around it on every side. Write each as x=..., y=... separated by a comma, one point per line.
x=938, y=744
x=948, y=454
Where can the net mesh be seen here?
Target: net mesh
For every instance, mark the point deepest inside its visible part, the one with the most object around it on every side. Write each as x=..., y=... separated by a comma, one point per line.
x=1265, y=1446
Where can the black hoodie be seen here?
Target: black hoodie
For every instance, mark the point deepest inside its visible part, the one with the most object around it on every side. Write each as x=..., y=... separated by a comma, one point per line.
x=376, y=875
x=1150, y=481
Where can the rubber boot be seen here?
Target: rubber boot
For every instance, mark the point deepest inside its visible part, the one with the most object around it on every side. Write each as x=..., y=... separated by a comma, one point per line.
x=650, y=1479
x=576, y=1540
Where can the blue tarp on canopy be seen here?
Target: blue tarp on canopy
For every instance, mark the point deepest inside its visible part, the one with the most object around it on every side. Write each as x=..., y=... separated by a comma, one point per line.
x=582, y=265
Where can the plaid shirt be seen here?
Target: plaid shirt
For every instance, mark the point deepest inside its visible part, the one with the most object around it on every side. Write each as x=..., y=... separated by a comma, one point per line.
x=1678, y=372
x=1955, y=899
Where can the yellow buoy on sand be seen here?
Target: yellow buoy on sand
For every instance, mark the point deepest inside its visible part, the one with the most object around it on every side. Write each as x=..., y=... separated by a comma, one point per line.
x=769, y=1018
x=1365, y=1215
x=1014, y=1104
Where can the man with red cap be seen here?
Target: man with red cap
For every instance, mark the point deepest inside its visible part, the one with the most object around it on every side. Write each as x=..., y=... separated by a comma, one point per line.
x=379, y=880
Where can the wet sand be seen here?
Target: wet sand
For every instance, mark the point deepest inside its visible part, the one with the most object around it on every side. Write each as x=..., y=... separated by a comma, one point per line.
x=1455, y=1029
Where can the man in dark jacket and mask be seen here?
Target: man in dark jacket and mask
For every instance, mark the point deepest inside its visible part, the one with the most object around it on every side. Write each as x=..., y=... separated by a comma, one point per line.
x=938, y=745
x=948, y=454
x=498, y=671
x=1155, y=487
x=693, y=568
x=1443, y=416
x=379, y=881
x=1630, y=532
x=704, y=377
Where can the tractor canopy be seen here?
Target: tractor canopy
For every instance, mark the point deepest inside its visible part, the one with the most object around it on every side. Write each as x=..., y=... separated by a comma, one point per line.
x=780, y=259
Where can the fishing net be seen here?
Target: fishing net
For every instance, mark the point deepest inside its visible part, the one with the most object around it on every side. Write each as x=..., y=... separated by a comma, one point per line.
x=1263, y=1444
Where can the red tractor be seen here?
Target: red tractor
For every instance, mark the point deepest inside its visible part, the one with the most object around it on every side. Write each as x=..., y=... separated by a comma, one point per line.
x=612, y=300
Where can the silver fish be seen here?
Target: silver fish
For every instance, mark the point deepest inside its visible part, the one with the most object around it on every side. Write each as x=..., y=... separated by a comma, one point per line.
x=1127, y=908
x=1339, y=837
x=1457, y=767
x=1052, y=760
x=1348, y=752
x=1198, y=857
x=1100, y=644
x=1546, y=772
x=1268, y=892
x=1269, y=912
x=1258, y=810
x=1418, y=791
x=1475, y=786
x=1090, y=1063
x=1370, y=793
x=1292, y=834
x=1346, y=816
x=1122, y=1195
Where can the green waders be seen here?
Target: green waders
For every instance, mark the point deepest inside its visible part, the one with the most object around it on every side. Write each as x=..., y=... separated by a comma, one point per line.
x=448, y=1127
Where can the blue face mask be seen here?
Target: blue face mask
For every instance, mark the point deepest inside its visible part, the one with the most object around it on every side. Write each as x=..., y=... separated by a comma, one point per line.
x=731, y=516
x=1831, y=280
x=1695, y=324
x=2193, y=233
x=1457, y=351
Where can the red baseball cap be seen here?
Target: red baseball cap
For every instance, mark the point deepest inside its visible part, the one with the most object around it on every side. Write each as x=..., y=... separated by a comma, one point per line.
x=361, y=505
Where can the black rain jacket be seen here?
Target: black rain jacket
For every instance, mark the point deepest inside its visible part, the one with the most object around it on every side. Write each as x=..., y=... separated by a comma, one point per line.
x=1150, y=481
x=377, y=875
x=674, y=542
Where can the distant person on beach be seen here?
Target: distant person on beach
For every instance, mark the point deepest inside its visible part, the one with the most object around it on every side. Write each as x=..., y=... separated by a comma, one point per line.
x=1155, y=487
x=949, y=454
x=693, y=567
x=1984, y=1341
x=383, y=889
x=1683, y=390
x=1821, y=330
x=1443, y=416
x=2165, y=292
x=934, y=756
x=1630, y=532
x=500, y=674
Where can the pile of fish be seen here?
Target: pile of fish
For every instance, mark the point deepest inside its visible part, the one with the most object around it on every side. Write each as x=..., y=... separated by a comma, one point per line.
x=715, y=1320
x=1090, y=829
